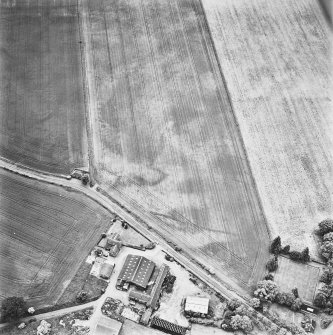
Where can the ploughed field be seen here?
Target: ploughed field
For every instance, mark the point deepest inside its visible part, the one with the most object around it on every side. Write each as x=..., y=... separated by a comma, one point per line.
x=45, y=234
x=165, y=140
x=42, y=110
x=275, y=56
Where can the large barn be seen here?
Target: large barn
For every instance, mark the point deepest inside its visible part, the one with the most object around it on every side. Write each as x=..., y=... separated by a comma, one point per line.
x=137, y=270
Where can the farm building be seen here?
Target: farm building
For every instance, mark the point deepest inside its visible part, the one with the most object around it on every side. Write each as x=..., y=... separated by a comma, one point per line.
x=106, y=270
x=143, y=298
x=107, y=326
x=167, y=327
x=103, y=242
x=112, y=241
x=196, y=305
x=137, y=270
x=114, y=250
x=156, y=292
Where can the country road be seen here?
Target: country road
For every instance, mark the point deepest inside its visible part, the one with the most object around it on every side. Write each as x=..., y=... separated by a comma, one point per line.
x=92, y=193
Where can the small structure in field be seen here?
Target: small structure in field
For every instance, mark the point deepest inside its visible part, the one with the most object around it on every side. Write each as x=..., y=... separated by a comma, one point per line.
x=137, y=270
x=196, y=306
x=106, y=270
x=167, y=327
x=107, y=326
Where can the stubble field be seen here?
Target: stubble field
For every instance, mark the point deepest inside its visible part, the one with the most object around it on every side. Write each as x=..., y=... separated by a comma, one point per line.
x=164, y=135
x=275, y=56
x=45, y=234
x=42, y=111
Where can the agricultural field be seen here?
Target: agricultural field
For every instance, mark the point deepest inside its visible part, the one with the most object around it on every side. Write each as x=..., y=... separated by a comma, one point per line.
x=275, y=56
x=42, y=109
x=46, y=233
x=164, y=136
x=303, y=276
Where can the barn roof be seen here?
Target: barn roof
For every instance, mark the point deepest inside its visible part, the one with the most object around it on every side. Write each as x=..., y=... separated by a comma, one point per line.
x=137, y=270
x=197, y=304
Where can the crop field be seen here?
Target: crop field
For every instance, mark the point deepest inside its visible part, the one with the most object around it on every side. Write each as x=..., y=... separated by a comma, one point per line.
x=45, y=234
x=164, y=135
x=42, y=110
x=275, y=56
x=303, y=276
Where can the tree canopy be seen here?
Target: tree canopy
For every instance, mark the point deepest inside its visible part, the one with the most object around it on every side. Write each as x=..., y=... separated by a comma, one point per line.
x=13, y=308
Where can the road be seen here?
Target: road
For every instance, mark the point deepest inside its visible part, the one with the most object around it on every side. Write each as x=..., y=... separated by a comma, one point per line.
x=92, y=193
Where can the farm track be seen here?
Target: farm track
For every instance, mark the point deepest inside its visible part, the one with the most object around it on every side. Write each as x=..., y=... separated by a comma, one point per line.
x=160, y=117
x=41, y=97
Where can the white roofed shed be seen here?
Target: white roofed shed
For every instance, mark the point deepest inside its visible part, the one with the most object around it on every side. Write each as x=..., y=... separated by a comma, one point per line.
x=197, y=305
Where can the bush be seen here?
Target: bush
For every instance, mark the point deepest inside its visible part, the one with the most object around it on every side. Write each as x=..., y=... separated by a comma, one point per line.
x=275, y=247
x=272, y=264
x=285, y=250
x=326, y=250
x=320, y=300
x=82, y=296
x=233, y=304
x=305, y=255
x=241, y=322
x=326, y=276
x=295, y=256
x=266, y=290
x=13, y=308
x=296, y=306
x=255, y=303
x=294, y=291
x=328, y=237
x=325, y=226
x=269, y=276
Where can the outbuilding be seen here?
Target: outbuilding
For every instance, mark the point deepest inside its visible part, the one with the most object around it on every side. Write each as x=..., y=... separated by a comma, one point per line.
x=106, y=270
x=195, y=305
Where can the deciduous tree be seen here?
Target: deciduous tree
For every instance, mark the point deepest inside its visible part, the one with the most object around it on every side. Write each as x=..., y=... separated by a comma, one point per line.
x=13, y=308
x=325, y=226
x=275, y=247
x=266, y=290
x=272, y=264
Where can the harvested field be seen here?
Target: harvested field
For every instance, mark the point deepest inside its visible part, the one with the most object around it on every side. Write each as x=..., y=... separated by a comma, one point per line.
x=42, y=110
x=275, y=56
x=165, y=139
x=46, y=232
x=303, y=276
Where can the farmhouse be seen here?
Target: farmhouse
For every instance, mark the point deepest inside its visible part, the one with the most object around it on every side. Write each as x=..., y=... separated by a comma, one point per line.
x=137, y=270
x=196, y=305
x=106, y=270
